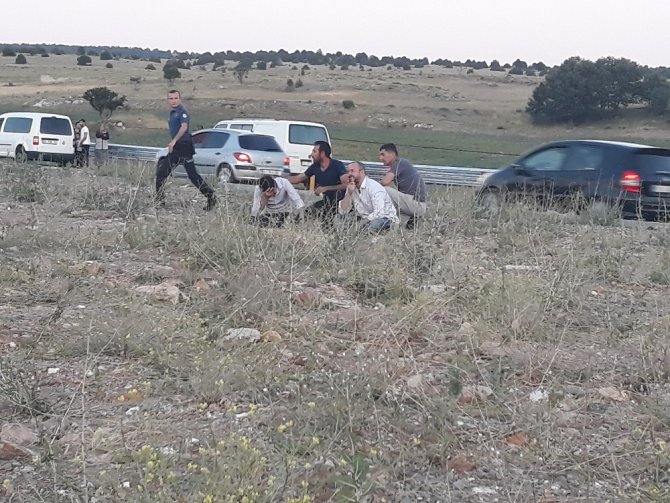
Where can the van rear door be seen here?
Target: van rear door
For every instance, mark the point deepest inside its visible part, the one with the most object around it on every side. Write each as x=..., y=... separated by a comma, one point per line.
x=301, y=139
x=56, y=135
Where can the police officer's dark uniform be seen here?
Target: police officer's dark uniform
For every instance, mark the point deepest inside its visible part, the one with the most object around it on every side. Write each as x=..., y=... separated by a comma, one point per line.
x=182, y=153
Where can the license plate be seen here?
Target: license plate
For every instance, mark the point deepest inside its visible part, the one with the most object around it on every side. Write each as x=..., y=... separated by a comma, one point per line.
x=305, y=162
x=273, y=172
x=663, y=189
x=49, y=142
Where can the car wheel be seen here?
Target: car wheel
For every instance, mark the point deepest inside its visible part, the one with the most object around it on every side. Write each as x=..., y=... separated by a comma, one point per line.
x=490, y=203
x=21, y=155
x=226, y=174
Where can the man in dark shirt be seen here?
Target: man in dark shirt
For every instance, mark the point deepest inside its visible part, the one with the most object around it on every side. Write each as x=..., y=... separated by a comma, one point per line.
x=180, y=151
x=331, y=182
x=410, y=195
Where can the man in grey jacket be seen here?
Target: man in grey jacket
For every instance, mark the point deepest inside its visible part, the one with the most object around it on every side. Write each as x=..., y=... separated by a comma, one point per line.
x=410, y=195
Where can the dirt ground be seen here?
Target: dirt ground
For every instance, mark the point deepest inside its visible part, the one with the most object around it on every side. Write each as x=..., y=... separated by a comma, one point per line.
x=177, y=355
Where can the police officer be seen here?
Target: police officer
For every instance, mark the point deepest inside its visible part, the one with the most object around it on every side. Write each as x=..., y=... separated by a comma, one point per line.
x=180, y=151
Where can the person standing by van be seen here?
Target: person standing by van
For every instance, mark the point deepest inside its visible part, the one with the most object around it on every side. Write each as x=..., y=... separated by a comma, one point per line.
x=84, y=141
x=101, y=144
x=180, y=151
x=331, y=182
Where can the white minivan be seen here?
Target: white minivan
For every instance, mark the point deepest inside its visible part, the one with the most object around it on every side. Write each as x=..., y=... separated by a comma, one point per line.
x=28, y=136
x=296, y=138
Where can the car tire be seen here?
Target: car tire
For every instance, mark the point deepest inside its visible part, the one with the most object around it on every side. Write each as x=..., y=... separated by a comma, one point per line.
x=20, y=156
x=225, y=174
x=490, y=203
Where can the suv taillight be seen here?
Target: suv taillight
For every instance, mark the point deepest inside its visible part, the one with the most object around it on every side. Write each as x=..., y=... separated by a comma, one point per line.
x=36, y=140
x=630, y=182
x=242, y=157
x=287, y=161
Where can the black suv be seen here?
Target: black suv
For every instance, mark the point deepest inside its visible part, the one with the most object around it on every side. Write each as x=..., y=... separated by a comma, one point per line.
x=634, y=179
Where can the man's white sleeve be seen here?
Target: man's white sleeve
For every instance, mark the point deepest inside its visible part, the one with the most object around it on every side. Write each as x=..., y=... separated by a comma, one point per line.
x=256, y=206
x=294, y=197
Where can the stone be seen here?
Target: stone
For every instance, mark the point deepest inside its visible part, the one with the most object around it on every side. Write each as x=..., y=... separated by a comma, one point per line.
x=242, y=334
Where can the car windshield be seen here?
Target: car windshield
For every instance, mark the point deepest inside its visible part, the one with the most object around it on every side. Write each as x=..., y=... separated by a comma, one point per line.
x=259, y=142
x=652, y=160
x=302, y=134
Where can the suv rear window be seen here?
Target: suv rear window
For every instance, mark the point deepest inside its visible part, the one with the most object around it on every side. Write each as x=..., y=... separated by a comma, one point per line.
x=55, y=125
x=18, y=125
x=306, y=135
x=650, y=161
x=259, y=142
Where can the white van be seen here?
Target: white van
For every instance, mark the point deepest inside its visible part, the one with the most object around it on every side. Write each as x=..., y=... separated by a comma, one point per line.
x=28, y=136
x=296, y=138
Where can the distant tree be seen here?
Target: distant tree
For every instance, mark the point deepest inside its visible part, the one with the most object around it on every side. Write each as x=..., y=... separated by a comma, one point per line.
x=171, y=72
x=57, y=50
x=290, y=85
x=20, y=60
x=655, y=91
x=45, y=54
x=348, y=104
x=304, y=69
x=84, y=60
x=109, y=65
x=241, y=71
x=516, y=70
x=530, y=72
x=406, y=67
x=580, y=90
x=81, y=51
x=105, y=56
x=261, y=65
x=8, y=51
x=104, y=101
x=150, y=66
x=495, y=66
x=298, y=83
x=520, y=64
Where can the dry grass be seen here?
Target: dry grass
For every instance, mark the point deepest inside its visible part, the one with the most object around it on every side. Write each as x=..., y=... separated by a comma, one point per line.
x=518, y=359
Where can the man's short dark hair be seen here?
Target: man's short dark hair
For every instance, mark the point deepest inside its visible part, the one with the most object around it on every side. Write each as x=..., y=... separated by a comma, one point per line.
x=174, y=91
x=324, y=147
x=389, y=147
x=82, y=120
x=266, y=182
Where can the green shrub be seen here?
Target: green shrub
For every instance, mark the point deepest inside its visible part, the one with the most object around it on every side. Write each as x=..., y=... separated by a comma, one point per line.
x=348, y=104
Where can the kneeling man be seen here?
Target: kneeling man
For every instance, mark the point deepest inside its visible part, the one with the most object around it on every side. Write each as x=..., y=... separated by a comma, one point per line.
x=369, y=199
x=275, y=199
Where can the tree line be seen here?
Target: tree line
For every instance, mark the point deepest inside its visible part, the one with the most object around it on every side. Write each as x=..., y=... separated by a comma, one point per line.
x=576, y=91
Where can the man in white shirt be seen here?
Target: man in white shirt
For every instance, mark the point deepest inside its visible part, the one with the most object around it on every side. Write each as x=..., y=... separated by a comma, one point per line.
x=84, y=141
x=370, y=200
x=275, y=199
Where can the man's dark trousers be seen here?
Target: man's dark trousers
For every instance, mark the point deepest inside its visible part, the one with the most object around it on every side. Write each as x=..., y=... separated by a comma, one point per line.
x=182, y=153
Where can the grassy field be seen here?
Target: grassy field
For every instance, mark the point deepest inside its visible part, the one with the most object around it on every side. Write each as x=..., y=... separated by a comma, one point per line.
x=436, y=115
x=174, y=355
x=521, y=359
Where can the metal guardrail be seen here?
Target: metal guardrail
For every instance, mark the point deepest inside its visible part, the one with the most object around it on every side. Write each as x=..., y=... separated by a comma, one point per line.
x=432, y=175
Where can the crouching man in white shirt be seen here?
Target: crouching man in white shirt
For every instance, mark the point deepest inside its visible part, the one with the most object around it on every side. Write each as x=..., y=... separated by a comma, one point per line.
x=368, y=198
x=275, y=199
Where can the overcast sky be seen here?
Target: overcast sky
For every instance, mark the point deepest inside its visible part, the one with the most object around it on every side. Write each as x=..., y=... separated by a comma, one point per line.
x=532, y=30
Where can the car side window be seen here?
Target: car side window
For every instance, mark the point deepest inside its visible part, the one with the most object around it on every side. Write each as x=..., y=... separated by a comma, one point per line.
x=1, y=121
x=18, y=125
x=199, y=140
x=584, y=157
x=216, y=139
x=242, y=127
x=550, y=159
